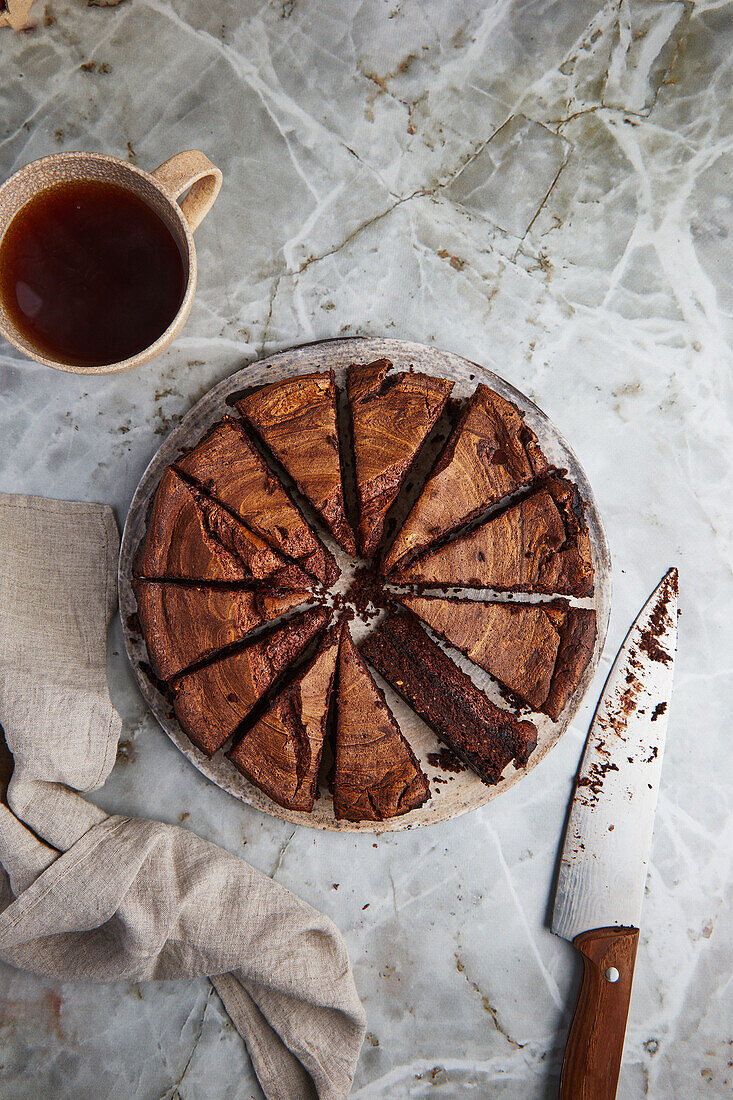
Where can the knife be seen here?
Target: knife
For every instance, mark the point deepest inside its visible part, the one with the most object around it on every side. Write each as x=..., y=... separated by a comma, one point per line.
x=600, y=883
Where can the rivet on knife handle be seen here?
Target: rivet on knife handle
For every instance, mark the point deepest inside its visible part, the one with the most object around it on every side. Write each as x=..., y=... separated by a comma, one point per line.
x=595, y=1044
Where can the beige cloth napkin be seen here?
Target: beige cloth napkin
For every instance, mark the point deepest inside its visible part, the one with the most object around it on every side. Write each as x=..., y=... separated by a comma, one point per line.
x=95, y=897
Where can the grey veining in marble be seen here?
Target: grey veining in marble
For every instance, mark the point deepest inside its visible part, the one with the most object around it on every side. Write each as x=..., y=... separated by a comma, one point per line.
x=543, y=188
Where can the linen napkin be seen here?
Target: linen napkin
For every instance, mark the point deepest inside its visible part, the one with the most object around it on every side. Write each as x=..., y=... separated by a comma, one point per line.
x=89, y=896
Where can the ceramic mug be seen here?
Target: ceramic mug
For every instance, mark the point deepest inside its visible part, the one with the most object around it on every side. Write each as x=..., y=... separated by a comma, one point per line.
x=159, y=189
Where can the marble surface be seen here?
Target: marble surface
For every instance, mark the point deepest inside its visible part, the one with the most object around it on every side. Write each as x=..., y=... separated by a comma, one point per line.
x=544, y=188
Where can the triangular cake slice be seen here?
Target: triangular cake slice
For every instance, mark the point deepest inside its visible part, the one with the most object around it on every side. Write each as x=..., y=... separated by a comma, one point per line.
x=229, y=467
x=281, y=754
x=490, y=453
x=538, y=651
x=391, y=416
x=483, y=735
x=375, y=772
x=191, y=537
x=539, y=545
x=516, y=643
x=577, y=642
x=297, y=419
x=184, y=624
x=212, y=702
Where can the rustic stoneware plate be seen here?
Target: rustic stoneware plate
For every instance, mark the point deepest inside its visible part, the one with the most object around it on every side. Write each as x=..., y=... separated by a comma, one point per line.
x=452, y=793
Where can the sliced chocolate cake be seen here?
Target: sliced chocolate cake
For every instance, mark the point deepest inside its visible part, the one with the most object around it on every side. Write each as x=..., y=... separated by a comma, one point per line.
x=490, y=453
x=539, y=545
x=516, y=643
x=375, y=772
x=281, y=754
x=297, y=419
x=191, y=537
x=577, y=642
x=228, y=466
x=185, y=624
x=483, y=735
x=391, y=416
x=212, y=702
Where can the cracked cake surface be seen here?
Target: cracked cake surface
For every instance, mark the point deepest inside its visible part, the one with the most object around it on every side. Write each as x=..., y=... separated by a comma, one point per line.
x=212, y=702
x=376, y=774
x=230, y=468
x=297, y=420
x=282, y=751
x=191, y=537
x=490, y=454
x=538, y=545
x=392, y=415
x=184, y=624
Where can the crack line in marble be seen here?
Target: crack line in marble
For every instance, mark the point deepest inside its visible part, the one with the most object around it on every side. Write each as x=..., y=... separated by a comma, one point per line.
x=546, y=976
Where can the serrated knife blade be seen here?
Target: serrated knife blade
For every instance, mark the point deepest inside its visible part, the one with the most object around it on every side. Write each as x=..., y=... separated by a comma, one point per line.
x=602, y=874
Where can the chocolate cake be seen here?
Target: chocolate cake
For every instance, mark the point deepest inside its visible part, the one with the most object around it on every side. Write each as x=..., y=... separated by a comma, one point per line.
x=281, y=754
x=490, y=453
x=297, y=419
x=375, y=772
x=184, y=624
x=516, y=643
x=229, y=468
x=178, y=543
x=539, y=545
x=391, y=416
x=484, y=736
x=577, y=642
x=226, y=553
x=212, y=702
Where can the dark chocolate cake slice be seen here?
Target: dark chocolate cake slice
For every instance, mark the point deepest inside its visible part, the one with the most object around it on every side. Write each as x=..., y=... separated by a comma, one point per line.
x=281, y=754
x=539, y=545
x=490, y=453
x=184, y=624
x=191, y=537
x=391, y=416
x=375, y=772
x=296, y=418
x=212, y=702
x=516, y=643
x=577, y=642
x=483, y=735
x=228, y=466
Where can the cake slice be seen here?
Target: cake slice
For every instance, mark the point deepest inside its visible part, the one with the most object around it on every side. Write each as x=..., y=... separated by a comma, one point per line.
x=281, y=754
x=228, y=466
x=516, y=643
x=296, y=418
x=483, y=735
x=375, y=772
x=391, y=416
x=577, y=642
x=184, y=624
x=539, y=545
x=212, y=702
x=489, y=454
x=191, y=537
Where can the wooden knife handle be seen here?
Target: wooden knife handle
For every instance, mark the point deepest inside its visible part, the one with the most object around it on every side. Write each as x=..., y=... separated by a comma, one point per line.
x=595, y=1044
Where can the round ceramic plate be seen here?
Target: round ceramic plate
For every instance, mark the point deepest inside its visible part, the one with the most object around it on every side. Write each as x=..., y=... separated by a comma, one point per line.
x=452, y=793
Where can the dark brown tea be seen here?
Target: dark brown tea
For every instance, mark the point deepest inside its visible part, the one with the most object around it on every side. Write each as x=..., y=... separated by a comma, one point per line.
x=90, y=274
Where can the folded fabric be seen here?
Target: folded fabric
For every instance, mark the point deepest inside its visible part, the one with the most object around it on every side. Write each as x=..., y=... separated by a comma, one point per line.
x=90, y=896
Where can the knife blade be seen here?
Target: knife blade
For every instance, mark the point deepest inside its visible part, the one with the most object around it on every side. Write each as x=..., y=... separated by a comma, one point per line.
x=602, y=874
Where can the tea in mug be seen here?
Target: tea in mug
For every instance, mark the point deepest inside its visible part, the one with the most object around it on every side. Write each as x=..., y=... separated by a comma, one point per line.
x=90, y=274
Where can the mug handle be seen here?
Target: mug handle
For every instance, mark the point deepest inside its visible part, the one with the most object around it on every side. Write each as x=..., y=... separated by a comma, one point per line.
x=190, y=169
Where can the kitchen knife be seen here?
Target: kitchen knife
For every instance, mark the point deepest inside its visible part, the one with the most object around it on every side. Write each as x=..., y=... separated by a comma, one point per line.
x=602, y=874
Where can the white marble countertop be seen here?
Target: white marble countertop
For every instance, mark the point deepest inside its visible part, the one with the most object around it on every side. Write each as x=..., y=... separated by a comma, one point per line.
x=545, y=189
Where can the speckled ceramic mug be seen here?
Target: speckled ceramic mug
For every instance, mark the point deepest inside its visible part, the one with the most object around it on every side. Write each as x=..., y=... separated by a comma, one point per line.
x=188, y=171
